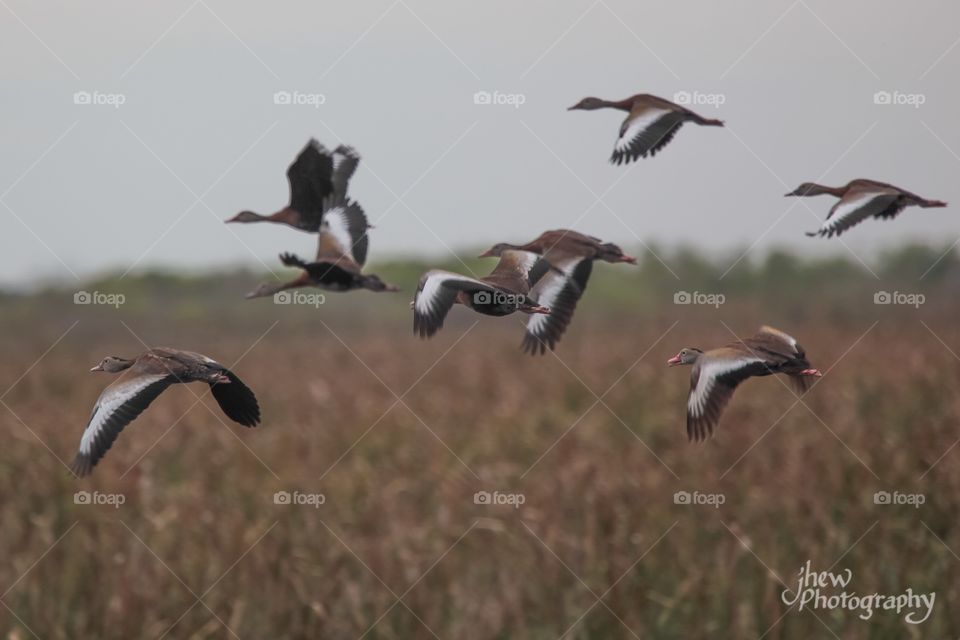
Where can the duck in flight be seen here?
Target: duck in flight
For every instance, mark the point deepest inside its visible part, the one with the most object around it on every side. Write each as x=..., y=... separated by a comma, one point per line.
x=147, y=376
x=650, y=125
x=570, y=255
x=506, y=290
x=341, y=254
x=317, y=177
x=717, y=372
x=861, y=199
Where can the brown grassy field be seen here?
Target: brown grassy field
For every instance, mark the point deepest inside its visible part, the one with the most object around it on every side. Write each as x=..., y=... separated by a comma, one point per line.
x=399, y=434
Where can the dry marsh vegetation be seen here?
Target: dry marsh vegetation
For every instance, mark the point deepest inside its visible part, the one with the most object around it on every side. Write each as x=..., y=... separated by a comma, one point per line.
x=398, y=436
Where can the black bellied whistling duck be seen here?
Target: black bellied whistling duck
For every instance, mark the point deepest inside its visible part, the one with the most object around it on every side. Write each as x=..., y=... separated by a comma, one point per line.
x=571, y=254
x=316, y=177
x=716, y=373
x=861, y=199
x=341, y=253
x=149, y=374
x=651, y=124
x=501, y=293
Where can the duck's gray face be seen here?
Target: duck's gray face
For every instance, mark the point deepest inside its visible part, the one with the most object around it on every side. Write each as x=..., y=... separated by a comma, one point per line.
x=112, y=364
x=587, y=104
x=687, y=355
x=496, y=250
x=610, y=252
x=804, y=189
x=261, y=291
x=245, y=216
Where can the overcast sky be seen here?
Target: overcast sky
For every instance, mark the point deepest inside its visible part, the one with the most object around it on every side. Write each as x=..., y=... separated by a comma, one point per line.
x=90, y=187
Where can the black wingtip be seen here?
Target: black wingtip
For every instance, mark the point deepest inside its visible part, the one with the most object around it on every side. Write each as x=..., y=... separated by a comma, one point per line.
x=82, y=465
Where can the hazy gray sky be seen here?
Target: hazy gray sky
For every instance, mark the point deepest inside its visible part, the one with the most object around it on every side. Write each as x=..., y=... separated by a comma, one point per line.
x=89, y=187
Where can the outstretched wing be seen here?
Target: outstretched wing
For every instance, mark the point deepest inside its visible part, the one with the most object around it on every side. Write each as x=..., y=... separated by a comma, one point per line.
x=849, y=212
x=237, y=400
x=117, y=406
x=436, y=295
x=345, y=161
x=310, y=178
x=343, y=232
x=711, y=387
x=645, y=131
x=559, y=290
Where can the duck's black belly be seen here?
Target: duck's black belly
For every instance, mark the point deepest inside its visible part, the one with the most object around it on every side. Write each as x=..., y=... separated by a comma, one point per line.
x=494, y=309
x=332, y=277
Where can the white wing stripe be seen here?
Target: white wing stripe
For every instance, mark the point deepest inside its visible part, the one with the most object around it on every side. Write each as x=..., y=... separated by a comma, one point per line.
x=637, y=126
x=426, y=300
x=708, y=377
x=109, y=402
x=846, y=209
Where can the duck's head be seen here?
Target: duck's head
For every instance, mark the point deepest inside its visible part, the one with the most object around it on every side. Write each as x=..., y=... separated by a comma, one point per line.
x=497, y=250
x=610, y=252
x=806, y=189
x=246, y=216
x=687, y=355
x=112, y=364
x=374, y=283
x=588, y=104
